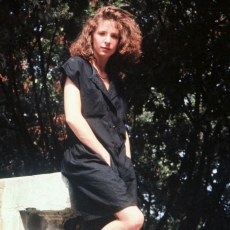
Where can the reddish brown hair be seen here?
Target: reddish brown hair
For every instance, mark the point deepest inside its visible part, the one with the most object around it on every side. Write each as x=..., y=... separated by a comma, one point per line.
x=129, y=47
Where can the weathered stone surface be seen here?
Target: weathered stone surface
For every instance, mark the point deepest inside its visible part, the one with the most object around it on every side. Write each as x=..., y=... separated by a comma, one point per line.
x=34, y=198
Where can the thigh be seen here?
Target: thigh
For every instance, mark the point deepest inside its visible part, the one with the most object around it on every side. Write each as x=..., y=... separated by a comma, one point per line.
x=129, y=213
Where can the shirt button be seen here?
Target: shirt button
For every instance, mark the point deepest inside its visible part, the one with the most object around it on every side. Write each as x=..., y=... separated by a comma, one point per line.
x=108, y=108
x=114, y=127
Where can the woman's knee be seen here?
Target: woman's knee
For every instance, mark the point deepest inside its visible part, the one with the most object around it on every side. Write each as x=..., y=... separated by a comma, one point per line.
x=132, y=218
x=137, y=221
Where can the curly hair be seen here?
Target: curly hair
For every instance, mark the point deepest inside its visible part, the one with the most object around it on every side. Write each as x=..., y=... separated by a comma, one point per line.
x=129, y=47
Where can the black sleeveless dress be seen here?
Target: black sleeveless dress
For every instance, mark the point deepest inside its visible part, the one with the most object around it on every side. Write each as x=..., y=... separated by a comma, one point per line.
x=99, y=190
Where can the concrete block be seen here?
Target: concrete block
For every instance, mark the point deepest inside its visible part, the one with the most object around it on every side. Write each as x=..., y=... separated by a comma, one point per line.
x=30, y=199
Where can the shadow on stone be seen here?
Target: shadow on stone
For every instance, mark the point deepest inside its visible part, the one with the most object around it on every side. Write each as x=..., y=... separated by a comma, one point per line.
x=32, y=221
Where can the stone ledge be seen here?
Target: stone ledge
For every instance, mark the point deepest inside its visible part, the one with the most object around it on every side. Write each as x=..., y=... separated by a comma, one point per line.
x=38, y=197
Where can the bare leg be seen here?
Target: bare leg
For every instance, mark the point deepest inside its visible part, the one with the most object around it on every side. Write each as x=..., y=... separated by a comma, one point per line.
x=130, y=218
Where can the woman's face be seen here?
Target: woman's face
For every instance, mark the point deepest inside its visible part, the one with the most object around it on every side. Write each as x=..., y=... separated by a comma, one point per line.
x=105, y=39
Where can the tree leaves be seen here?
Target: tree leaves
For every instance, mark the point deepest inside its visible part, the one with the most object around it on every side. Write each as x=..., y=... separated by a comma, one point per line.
x=186, y=134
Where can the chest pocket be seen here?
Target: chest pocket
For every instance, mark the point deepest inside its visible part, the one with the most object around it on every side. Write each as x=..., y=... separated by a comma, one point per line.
x=92, y=103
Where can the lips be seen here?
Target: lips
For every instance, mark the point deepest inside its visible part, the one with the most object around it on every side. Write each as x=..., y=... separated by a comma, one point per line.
x=105, y=48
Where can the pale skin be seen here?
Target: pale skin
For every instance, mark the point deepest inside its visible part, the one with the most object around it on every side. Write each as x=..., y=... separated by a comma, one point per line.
x=105, y=42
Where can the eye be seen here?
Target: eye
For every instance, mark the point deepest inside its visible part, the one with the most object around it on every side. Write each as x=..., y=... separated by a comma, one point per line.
x=116, y=36
x=101, y=33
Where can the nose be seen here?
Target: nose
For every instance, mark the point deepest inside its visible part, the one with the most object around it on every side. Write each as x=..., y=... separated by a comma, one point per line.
x=107, y=39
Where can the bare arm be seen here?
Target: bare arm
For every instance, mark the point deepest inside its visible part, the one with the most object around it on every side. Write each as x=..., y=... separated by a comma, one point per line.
x=78, y=124
x=127, y=145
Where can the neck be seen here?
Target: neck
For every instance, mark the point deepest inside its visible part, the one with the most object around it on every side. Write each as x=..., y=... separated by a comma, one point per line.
x=100, y=67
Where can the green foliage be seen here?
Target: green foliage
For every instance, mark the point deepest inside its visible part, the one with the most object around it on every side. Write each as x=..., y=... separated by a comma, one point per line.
x=186, y=47
x=33, y=45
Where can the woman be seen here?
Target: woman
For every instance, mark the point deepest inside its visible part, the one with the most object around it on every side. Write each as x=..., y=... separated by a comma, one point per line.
x=97, y=160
